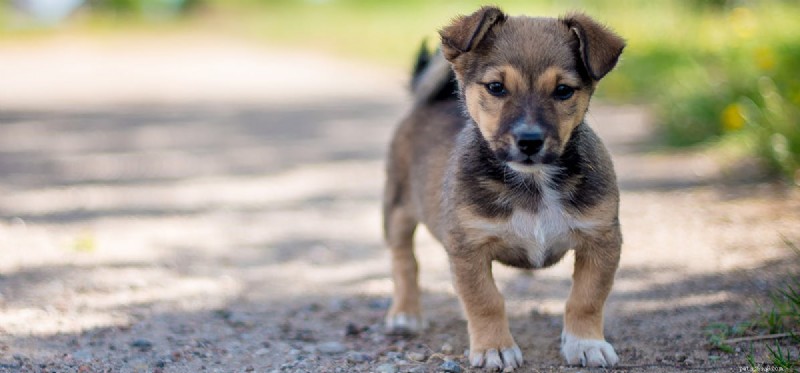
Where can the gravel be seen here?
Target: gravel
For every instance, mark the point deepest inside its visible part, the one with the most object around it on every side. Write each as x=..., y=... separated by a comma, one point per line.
x=358, y=357
x=450, y=366
x=416, y=356
x=386, y=368
x=142, y=344
x=331, y=348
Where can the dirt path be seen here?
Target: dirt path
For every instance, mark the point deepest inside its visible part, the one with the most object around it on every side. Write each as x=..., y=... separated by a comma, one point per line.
x=202, y=208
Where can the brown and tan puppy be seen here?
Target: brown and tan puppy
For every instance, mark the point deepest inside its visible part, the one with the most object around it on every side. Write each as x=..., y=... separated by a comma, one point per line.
x=505, y=169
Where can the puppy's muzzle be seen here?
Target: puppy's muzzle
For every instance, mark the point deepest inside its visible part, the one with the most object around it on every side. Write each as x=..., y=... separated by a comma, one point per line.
x=530, y=143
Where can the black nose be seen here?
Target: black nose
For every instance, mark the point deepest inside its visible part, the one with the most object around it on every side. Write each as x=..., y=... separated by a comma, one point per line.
x=530, y=143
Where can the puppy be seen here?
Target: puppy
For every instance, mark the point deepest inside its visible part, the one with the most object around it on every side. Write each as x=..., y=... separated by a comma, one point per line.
x=505, y=169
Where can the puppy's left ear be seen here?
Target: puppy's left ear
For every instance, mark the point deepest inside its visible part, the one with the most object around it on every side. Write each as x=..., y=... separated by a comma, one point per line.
x=599, y=46
x=465, y=33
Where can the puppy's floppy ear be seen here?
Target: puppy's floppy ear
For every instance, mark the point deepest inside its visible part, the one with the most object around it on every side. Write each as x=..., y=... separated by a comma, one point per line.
x=466, y=32
x=599, y=46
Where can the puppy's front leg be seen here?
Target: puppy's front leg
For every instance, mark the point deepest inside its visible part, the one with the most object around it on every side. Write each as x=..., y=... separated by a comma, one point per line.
x=490, y=340
x=582, y=341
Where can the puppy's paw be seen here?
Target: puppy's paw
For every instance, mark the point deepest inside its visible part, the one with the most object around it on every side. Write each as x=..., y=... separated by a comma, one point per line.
x=505, y=359
x=587, y=352
x=404, y=324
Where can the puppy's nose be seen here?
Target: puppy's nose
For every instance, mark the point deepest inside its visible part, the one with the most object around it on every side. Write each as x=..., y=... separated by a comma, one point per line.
x=530, y=143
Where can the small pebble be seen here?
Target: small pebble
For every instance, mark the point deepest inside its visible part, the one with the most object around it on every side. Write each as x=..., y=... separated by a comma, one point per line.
x=415, y=356
x=304, y=335
x=386, y=368
x=358, y=357
x=447, y=349
x=450, y=366
x=331, y=348
x=142, y=344
x=352, y=330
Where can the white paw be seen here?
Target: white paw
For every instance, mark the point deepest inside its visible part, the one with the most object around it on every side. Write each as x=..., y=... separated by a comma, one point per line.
x=587, y=352
x=404, y=324
x=506, y=360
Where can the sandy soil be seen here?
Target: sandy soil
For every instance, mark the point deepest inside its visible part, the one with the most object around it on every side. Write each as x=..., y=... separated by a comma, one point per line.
x=188, y=205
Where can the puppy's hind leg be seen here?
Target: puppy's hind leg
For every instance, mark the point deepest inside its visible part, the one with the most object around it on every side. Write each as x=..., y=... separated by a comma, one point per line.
x=405, y=314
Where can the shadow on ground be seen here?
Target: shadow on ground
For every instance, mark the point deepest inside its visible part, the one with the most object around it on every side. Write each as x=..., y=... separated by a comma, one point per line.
x=344, y=333
x=146, y=144
x=246, y=238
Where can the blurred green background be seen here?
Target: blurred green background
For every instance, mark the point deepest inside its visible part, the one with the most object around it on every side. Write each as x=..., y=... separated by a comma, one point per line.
x=720, y=75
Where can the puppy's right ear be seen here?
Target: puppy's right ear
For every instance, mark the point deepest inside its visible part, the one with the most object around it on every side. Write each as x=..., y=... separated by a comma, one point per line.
x=466, y=32
x=599, y=46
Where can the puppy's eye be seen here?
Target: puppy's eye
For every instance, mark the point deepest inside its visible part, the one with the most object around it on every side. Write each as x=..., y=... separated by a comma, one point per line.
x=563, y=92
x=496, y=89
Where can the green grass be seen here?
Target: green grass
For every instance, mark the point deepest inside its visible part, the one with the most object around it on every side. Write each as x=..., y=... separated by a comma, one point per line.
x=782, y=316
x=778, y=322
x=783, y=358
x=718, y=333
x=713, y=70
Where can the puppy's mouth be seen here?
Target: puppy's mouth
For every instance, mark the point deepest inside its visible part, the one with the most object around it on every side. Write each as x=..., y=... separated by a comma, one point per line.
x=525, y=166
x=525, y=160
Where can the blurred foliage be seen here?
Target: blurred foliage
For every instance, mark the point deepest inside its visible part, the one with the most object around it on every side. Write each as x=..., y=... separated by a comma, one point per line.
x=151, y=8
x=716, y=71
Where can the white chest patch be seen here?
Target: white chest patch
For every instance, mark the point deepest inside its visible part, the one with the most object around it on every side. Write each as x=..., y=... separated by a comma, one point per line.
x=548, y=232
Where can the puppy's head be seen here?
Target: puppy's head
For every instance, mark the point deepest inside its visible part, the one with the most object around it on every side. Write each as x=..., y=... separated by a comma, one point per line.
x=527, y=81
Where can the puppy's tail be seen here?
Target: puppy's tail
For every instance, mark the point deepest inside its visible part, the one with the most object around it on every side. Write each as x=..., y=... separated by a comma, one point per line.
x=433, y=78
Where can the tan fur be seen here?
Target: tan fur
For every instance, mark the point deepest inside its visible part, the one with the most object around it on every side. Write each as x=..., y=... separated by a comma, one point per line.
x=487, y=109
x=482, y=218
x=482, y=302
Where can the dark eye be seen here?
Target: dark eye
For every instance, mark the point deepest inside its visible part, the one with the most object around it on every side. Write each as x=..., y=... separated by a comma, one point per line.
x=496, y=89
x=563, y=92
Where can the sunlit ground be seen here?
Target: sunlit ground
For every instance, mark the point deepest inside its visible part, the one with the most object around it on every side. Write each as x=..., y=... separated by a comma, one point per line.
x=154, y=185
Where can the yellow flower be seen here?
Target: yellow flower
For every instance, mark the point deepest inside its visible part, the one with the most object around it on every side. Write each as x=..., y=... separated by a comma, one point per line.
x=732, y=117
x=765, y=58
x=743, y=21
